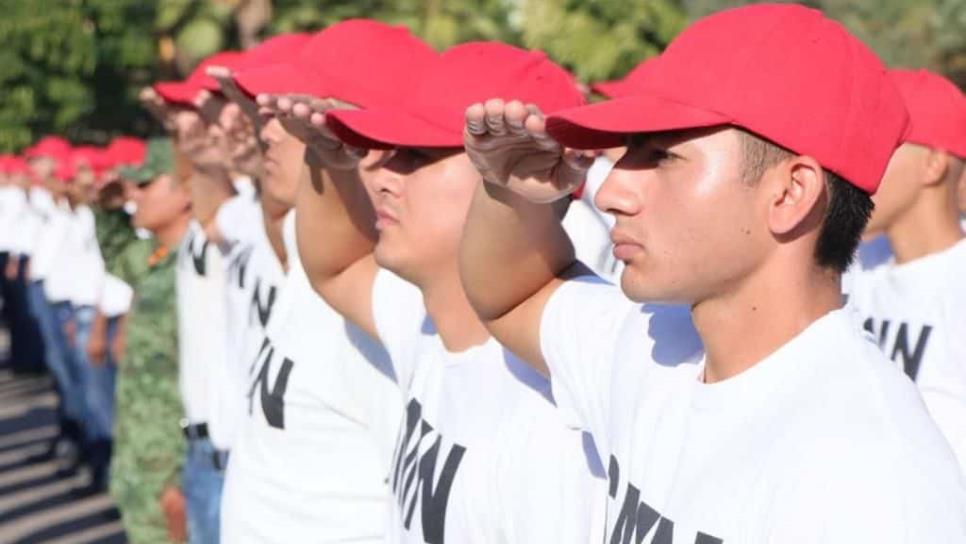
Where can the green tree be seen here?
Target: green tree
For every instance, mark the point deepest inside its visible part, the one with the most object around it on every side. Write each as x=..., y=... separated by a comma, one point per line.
x=72, y=67
x=904, y=33
x=600, y=39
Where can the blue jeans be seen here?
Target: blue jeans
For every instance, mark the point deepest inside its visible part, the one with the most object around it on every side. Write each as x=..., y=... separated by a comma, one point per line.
x=56, y=352
x=203, y=480
x=93, y=380
x=101, y=380
x=65, y=314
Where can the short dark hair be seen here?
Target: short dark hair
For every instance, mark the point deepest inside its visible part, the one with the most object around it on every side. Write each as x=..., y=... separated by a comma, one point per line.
x=846, y=215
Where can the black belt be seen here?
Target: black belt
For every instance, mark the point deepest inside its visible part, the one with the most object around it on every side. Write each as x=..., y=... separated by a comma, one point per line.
x=197, y=431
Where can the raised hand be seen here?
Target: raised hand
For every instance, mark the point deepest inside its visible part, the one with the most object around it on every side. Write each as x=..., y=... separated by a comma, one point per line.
x=157, y=107
x=230, y=89
x=509, y=145
x=304, y=117
x=236, y=128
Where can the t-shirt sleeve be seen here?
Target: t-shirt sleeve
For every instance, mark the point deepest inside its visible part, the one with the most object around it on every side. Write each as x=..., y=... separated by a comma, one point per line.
x=234, y=219
x=578, y=334
x=400, y=318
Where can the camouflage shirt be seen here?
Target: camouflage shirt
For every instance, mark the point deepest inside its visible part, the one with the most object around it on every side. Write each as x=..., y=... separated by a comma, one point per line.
x=149, y=445
x=114, y=235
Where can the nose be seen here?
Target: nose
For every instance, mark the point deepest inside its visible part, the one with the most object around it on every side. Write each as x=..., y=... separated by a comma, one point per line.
x=617, y=196
x=386, y=180
x=269, y=132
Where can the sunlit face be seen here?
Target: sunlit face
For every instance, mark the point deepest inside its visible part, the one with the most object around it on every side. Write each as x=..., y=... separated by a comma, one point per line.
x=421, y=198
x=282, y=164
x=898, y=189
x=159, y=203
x=42, y=167
x=687, y=226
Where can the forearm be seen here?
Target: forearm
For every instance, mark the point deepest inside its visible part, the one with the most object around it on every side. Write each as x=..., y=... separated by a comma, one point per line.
x=209, y=190
x=335, y=222
x=512, y=249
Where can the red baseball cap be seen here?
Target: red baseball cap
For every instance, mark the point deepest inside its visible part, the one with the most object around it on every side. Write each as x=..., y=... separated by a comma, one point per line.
x=95, y=158
x=125, y=150
x=432, y=113
x=280, y=48
x=360, y=61
x=184, y=92
x=937, y=110
x=52, y=147
x=628, y=84
x=9, y=164
x=65, y=171
x=782, y=71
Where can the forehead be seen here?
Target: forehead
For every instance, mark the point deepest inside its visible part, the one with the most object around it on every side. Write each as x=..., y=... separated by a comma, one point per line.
x=716, y=136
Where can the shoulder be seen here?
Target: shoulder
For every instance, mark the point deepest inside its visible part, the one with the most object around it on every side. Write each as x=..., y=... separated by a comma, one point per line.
x=862, y=414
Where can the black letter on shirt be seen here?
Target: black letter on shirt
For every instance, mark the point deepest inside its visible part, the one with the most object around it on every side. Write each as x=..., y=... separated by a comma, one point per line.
x=273, y=403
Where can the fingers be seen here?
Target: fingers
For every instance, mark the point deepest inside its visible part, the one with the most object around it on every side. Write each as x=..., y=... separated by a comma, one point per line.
x=474, y=119
x=218, y=72
x=493, y=117
x=498, y=118
x=302, y=111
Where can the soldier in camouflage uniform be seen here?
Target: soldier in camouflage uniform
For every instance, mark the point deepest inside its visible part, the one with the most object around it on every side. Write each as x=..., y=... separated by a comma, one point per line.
x=149, y=445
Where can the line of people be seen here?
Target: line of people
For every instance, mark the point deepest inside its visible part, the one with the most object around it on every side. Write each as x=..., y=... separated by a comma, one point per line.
x=396, y=295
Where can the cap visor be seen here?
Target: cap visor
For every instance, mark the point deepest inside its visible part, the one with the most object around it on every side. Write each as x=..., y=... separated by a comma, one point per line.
x=610, y=89
x=380, y=129
x=177, y=92
x=604, y=125
x=276, y=79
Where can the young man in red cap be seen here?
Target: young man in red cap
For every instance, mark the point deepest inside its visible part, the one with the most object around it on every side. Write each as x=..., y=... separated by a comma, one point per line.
x=913, y=305
x=312, y=456
x=242, y=229
x=742, y=194
x=25, y=355
x=201, y=288
x=482, y=455
x=47, y=230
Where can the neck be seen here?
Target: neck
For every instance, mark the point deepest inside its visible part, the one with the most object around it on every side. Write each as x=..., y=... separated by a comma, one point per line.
x=171, y=234
x=457, y=323
x=930, y=226
x=742, y=327
x=209, y=190
x=273, y=219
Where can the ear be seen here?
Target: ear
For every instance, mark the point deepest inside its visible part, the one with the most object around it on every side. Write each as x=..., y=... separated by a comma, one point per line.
x=795, y=187
x=936, y=166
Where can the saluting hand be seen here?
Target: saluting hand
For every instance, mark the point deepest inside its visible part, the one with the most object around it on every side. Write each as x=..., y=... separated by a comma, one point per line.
x=304, y=117
x=509, y=145
x=157, y=107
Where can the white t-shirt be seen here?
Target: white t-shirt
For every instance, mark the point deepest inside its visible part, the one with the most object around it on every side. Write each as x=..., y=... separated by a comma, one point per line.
x=65, y=263
x=822, y=441
x=50, y=233
x=311, y=458
x=34, y=218
x=483, y=456
x=917, y=313
x=589, y=227
x=88, y=271
x=239, y=219
x=254, y=281
x=202, y=344
x=13, y=201
x=116, y=297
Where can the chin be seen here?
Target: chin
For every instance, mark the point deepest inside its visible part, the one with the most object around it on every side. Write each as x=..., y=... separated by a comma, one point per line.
x=648, y=289
x=387, y=256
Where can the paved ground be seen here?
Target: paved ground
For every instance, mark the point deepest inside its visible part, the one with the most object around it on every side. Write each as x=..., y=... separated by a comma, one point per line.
x=35, y=505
